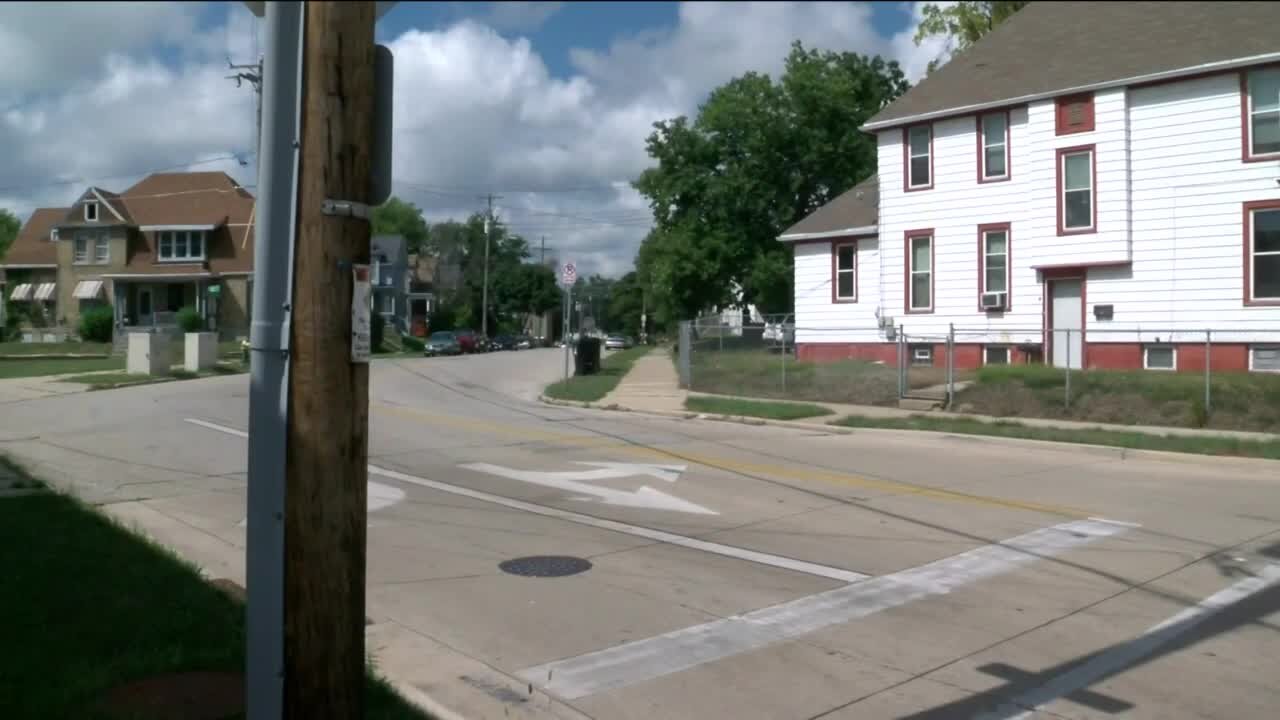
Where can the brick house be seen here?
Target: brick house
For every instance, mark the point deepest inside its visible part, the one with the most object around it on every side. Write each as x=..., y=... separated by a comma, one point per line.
x=173, y=240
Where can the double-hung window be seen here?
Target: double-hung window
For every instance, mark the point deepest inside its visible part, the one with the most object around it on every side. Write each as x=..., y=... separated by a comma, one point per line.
x=1262, y=250
x=102, y=249
x=1261, y=99
x=844, y=266
x=920, y=271
x=1077, y=204
x=995, y=258
x=181, y=245
x=993, y=150
x=81, y=247
x=918, y=151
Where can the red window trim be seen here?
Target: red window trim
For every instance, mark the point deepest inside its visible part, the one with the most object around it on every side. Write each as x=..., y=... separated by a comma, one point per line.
x=982, y=155
x=1248, y=209
x=1246, y=154
x=1093, y=204
x=835, y=275
x=1087, y=123
x=1007, y=228
x=906, y=270
x=906, y=158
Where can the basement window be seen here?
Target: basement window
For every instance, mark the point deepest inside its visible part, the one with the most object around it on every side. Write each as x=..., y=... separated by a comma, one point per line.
x=922, y=355
x=1159, y=357
x=1264, y=358
x=995, y=355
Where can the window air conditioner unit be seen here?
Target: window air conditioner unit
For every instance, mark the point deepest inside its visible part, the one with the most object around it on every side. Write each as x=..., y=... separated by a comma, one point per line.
x=993, y=301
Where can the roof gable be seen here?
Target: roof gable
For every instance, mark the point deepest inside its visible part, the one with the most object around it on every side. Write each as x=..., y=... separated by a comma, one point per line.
x=1051, y=48
x=33, y=245
x=855, y=210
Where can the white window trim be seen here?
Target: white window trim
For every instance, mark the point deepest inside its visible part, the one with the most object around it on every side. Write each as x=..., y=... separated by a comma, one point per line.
x=1254, y=348
x=1092, y=195
x=188, y=258
x=926, y=348
x=105, y=240
x=852, y=272
x=1253, y=254
x=986, y=262
x=94, y=205
x=79, y=257
x=912, y=156
x=912, y=272
x=1008, y=354
x=1003, y=145
x=1248, y=98
x=1146, y=364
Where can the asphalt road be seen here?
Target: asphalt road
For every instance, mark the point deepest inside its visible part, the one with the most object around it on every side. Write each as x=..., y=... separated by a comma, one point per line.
x=736, y=571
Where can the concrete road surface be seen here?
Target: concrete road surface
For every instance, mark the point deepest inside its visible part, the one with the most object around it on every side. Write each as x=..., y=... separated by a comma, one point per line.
x=718, y=570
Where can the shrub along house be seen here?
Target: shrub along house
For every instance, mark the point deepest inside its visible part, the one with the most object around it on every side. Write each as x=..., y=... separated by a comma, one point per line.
x=171, y=241
x=1089, y=198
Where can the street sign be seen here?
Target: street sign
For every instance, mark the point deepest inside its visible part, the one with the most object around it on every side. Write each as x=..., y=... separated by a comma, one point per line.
x=569, y=275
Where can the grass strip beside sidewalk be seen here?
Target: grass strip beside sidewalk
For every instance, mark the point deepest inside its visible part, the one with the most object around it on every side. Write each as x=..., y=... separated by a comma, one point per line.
x=90, y=607
x=755, y=408
x=589, y=388
x=1227, y=446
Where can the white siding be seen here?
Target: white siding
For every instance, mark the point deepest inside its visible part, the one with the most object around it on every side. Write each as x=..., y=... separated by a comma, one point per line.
x=820, y=320
x=1169, y=193
x=1189, y=186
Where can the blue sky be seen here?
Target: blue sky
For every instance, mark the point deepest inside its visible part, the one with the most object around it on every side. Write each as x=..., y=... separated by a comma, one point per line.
x=547, y=104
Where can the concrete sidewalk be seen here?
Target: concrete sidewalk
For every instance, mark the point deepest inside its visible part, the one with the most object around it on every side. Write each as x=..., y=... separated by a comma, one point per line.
x=652, y=384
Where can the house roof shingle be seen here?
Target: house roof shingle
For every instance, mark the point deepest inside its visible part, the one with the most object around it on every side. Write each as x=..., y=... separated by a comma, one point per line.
x=32, y=245
x=1050, y=48
x=854, y=210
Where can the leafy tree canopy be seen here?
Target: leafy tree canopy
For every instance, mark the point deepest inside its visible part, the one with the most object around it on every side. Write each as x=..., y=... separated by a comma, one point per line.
x=962, y=23
x=758, y=157
x=9, y=227
x=397, y=217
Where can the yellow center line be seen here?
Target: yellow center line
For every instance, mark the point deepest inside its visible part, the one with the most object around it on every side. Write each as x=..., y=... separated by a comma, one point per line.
x=722, y=463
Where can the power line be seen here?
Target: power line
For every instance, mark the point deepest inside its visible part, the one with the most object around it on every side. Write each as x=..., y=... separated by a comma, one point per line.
x=136, y=173
x=472, y=189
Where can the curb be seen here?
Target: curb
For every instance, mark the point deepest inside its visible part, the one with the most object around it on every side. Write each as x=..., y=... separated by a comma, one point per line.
x=1113, y=451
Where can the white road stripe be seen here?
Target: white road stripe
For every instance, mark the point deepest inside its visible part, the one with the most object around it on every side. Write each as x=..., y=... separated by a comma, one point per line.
x=1122, y=656
x=672, y=652
x=786, y=563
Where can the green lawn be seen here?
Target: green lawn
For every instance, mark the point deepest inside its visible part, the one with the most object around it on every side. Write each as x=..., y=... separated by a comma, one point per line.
x=77, y=348
x=1133, y=440
x=57, y=366
x=755, y=408
x=106, y=381
x=589, y=388
x=1240, y=401
x=90, y=606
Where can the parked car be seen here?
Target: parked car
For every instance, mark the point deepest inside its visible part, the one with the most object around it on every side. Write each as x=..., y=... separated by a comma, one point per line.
x=442, y=343
x=524, y=342
x=617, y=342
x=468, y=341
x=504, y=342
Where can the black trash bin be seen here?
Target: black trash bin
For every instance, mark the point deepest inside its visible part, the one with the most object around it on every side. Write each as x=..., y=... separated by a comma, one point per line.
x=587, y=359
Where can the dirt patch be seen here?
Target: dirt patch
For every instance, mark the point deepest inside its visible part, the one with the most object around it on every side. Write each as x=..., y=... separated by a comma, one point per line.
x=178, y=696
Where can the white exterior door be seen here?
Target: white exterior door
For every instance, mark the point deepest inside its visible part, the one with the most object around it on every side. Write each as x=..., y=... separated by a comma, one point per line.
x=1067, y=320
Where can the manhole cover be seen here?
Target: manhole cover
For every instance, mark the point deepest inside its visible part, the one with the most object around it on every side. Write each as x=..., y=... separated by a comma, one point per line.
x=545, y=566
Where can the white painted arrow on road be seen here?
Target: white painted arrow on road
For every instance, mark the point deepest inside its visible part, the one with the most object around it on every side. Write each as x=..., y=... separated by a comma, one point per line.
x=578, y=482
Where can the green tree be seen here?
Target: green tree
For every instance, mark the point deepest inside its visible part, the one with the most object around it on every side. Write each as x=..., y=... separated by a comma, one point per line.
x=962, y=24
x=758, y=157
x=397, y=217
x=9, y=227
x=526, y=289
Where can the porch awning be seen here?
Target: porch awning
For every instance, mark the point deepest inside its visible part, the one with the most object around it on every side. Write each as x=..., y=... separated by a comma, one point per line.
x=21, y=292
x=44, y=292
x=87, y=289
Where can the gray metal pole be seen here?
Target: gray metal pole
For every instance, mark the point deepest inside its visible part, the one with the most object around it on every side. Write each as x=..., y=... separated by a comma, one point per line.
x=951, y=364
x=1208, y=373
x=269, y=364
x=1066, y=401
x=484, y=302
x=568, y=326
x=897, y=345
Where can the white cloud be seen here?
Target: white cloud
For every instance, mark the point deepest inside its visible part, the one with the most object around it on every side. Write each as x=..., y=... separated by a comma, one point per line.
x=521, y=16
x=476, y=111
x=914, y=58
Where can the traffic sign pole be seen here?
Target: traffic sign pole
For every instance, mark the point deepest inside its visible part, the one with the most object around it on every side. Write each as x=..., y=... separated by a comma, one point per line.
x=568, y=275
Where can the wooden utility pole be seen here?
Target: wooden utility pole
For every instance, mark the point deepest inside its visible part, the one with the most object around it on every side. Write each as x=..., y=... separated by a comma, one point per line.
x=327, y=439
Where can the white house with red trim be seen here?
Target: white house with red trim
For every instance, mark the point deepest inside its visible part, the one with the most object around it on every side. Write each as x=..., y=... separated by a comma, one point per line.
x=1105, y=199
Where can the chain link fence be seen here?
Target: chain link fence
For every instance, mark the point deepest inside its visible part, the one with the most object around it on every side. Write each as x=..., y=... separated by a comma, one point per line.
x=1221, y=377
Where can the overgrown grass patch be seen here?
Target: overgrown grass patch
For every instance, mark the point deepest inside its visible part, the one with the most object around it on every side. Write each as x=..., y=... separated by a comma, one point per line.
x=93, y=607
x=57, y=366
x=56, y=348
x=1088, y=436
x=1238, y=400
x=589, y=388
x=766, y=373
x=755, y=408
